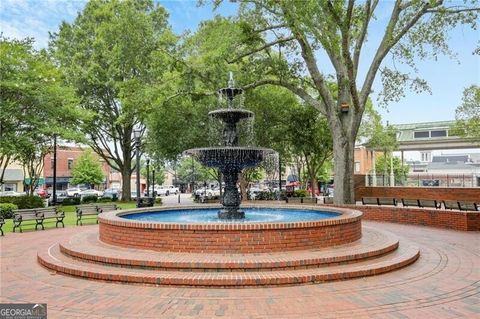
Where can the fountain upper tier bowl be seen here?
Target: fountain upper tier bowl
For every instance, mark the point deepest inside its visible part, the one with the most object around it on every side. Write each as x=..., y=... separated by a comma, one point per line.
x=230, y=156
x=231, y=115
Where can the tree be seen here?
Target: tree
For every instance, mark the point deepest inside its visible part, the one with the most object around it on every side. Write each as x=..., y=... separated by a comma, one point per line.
x=310, y=137
x=87, y=170
x=35, y=105
x=468, y=113
x=384, y=162
x=282, y=41
x=116, y=55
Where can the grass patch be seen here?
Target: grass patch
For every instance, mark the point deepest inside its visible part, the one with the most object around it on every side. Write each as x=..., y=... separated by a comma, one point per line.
x=69, y=220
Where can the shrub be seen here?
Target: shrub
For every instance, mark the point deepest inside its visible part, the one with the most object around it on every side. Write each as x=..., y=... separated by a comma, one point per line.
x=23, y=202
x=89, y=199
x=158, y=200
x=300, y=193
x=6, y=210
x=71, y=201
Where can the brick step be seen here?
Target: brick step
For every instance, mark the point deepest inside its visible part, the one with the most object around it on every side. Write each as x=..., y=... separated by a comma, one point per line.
x=87, y=247
x=55, y=260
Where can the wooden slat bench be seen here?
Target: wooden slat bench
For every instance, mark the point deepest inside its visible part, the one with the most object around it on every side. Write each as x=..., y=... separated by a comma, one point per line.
x=302, y=200
x=450, y=204
x=406, y=202
x=387, y=201
x=86, y=210
x=429, y=203
x=107, y=207
x=369, y=200
x=468, y=206
x=39, y=215
x=2, y=222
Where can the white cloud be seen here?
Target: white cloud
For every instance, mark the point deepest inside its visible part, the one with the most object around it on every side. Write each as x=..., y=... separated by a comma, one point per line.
x=35, y=18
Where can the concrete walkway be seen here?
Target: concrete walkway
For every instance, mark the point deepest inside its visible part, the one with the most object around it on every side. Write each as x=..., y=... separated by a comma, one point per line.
x=443, y=283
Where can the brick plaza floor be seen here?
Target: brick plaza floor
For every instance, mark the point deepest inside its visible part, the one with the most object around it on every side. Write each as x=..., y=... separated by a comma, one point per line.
x=443, y=283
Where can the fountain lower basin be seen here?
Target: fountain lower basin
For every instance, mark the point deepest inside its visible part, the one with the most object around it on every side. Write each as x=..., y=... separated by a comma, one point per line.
x=341, y=227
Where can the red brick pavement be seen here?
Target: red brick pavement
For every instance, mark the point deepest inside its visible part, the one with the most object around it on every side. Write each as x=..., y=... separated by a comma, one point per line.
x=443, y=283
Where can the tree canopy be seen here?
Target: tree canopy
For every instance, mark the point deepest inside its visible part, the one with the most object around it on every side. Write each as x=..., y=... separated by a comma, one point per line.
x=296, y=44
x=87, y=170
x=468, y=113
x=35, y=105
x=116, y=56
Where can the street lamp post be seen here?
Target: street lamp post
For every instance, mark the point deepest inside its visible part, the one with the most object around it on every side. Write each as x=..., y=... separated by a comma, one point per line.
x=148, y=177
x=54, y=192
x=153, y=183
x=137, y=134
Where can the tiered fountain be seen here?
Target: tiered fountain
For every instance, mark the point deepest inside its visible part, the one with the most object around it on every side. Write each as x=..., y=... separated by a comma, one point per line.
x=231, y=159
x=213, y=246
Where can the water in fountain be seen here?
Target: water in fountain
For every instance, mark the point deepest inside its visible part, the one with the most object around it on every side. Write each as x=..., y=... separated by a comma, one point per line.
x=230, y=158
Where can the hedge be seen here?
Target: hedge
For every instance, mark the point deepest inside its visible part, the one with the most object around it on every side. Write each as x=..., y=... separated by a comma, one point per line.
x=71, y=201
x=89, y=199
x=23, y=202
x=6, y=210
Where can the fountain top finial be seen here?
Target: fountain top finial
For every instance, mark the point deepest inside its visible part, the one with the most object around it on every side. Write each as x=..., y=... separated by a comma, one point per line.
x=231, y=81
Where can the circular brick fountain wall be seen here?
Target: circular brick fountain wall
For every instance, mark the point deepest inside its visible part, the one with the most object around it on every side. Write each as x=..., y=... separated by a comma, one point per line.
x=230, y=238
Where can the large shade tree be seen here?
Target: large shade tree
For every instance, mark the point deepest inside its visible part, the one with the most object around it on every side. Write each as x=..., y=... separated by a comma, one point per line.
x=35, y=105
x=304, y=45
x=468, y=113
x=117, y=56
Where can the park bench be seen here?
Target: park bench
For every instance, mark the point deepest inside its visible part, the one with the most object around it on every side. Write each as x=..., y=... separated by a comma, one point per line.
x=2, y=221
x=468, y=206
x=302, y=200
x=146, y=202
x=429, y=203
x=107, y=207
x=37, y=215
x=406, y=202
x=369, y=200
x=388, y=201
x=328, y=200
x=86, y=210
x=450, y=204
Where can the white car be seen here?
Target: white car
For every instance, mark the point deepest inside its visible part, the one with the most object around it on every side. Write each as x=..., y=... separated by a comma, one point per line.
x=91, y=192
x=11, y=193
x=163, y=190
x=75, y=191
x=209, y=193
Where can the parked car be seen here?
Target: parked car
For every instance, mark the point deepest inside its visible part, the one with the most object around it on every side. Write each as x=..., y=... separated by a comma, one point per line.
x=11, y=193
x=112, y=193
x=61, y=195
x=74, y=191
x=253, y=192
x=329, y=191
x=42, y=193
x=91, y=192
x=163, y=190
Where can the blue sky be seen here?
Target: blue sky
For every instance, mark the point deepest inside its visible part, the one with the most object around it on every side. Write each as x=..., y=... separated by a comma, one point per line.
x=447, y=77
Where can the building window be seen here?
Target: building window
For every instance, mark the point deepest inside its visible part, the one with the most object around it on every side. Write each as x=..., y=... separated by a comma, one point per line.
x=439, y=133
x=52, y=164
x=357, y=167
x=70, y=163
x=421, y=134
x=426, y=156
x=9, y=187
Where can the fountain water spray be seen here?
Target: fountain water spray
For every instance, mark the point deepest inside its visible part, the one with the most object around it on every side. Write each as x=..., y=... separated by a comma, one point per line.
x=231, y=159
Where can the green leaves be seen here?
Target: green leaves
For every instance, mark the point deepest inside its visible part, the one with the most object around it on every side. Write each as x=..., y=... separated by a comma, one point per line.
x=468, y=113
x=87, y=170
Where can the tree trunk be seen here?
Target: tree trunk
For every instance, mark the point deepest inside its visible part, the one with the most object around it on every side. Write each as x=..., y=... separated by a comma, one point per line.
x=126, y=184
x=343, y=152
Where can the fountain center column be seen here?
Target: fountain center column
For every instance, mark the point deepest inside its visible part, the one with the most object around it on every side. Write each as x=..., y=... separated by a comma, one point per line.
x=231, y=197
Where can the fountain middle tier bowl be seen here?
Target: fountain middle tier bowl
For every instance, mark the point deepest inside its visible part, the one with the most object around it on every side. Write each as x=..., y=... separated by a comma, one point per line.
x=232, y=157
x=196, y=229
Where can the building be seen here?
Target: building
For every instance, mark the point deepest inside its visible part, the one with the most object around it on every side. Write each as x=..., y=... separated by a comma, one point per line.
x=13, y=178
x=67, y=156
x=364, y=160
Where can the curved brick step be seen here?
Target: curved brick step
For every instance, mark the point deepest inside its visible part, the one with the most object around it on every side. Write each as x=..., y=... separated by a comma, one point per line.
x=87, y=247
x=54, y=260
